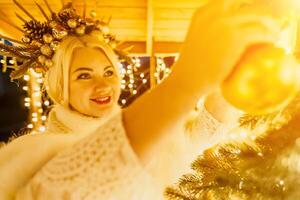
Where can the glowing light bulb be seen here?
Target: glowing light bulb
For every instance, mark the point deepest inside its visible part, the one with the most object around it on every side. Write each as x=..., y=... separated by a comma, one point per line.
x=26, y=77
x=30, y=126
x=42, y=129
x=46, y=103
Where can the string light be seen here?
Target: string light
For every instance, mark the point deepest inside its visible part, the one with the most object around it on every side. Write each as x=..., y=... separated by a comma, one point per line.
x=132, y=78
x=25, y=88
x=33, y=101
x=44, y=118
x=26, y=77
x=27, y=104
x=30, y=126
x=42, y=129
x=162, y=71
x=123, y=101
x=46, y=103
x=27, y=99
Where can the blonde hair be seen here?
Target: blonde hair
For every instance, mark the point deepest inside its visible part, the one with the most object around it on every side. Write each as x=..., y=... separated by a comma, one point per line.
x=57, y=77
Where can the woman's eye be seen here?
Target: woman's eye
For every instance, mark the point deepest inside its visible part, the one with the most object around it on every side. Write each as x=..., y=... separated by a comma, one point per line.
x=108, y=73
x=84, y=76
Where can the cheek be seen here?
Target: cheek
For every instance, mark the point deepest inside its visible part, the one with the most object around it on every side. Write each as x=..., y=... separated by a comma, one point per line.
x=79, y=92
x=117, y=86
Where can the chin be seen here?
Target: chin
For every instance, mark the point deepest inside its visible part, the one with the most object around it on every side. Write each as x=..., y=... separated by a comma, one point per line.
x=103, y=111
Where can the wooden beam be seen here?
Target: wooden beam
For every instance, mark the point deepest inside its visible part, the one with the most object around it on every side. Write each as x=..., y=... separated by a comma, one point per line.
x=149, y=42
x=149, y=26
x=139, y=47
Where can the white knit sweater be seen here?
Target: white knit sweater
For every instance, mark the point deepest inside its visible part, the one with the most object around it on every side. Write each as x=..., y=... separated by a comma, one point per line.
x=85, y=158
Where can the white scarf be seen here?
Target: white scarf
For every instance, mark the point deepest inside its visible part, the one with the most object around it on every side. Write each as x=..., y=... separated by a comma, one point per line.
x=66, y=121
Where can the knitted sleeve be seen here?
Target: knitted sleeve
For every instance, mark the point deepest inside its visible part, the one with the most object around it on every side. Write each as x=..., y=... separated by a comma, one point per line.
x=200, y=131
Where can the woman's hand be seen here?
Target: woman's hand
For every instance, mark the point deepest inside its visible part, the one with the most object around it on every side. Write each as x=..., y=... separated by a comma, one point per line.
x=218, y=35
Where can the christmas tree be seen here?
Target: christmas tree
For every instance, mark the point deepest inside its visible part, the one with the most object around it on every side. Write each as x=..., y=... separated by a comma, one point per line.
x=264, y=165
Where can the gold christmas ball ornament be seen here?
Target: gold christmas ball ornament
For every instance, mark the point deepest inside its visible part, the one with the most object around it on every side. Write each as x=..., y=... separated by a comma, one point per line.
x=264, y=80
x=80, y=30
x=42, y=59
x=72, y=23
x=46, y=50
x=48, y=63
x=48, y=38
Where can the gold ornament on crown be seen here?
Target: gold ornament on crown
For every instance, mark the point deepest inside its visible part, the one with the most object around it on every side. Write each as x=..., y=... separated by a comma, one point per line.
x=41, y=39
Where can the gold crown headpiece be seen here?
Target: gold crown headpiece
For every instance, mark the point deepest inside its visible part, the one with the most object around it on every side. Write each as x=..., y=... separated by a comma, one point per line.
x=41, y=39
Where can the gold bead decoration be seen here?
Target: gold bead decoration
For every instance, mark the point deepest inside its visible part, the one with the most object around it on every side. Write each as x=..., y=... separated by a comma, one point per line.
x=54, y=45
x=39, y=70
x=48, y=63
x=113, y=44
x=42, y=59
x=48, y=38
x=93, y=13
x=46, y=50
x=53, y=24
x=26, y=39
x=80, y=30
x=72, y=23
x=36, y=43
x=105, y=29
x=59, y=32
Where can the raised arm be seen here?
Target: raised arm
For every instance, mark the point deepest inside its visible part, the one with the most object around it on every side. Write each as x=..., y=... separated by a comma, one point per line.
x=218, y=35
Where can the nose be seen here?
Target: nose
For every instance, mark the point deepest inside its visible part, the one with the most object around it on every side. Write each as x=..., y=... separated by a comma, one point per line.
x=102, y=86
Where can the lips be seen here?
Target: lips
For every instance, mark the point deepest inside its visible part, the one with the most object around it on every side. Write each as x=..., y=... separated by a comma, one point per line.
x=102, y=100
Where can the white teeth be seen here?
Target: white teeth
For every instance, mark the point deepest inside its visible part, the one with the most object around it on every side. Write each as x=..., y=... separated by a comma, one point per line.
x=102, y=99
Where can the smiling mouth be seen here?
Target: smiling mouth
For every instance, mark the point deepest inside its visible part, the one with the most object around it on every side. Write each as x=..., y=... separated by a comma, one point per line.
x=102, y=100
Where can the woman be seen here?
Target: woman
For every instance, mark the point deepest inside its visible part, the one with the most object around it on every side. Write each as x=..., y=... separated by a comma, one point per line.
x=109, y=151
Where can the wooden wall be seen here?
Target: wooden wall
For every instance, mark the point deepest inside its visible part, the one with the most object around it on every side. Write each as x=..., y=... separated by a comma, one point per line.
x=162, y=24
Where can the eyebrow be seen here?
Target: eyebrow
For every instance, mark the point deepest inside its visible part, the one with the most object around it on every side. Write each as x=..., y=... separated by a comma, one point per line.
x=109, y=66
x=83, y=68
x=89, y=69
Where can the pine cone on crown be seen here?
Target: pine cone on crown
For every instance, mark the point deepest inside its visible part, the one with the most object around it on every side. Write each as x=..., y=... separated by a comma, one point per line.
x=35, y=30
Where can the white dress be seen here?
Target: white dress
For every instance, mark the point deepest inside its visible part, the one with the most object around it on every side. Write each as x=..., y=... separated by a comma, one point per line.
x=101, y=164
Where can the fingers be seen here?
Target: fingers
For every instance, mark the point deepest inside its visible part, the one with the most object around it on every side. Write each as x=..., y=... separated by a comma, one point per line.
x=260, y=23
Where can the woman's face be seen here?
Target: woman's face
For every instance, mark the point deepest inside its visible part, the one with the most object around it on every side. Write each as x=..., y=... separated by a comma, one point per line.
x=94, y=82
